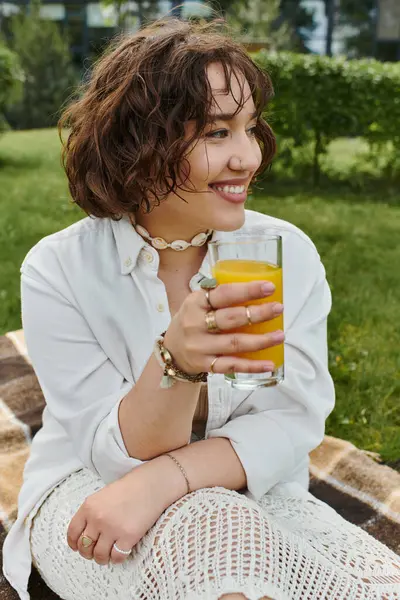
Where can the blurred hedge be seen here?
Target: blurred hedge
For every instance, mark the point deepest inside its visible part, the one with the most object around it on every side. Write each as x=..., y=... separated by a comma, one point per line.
x=318, y=99
x=10, y=82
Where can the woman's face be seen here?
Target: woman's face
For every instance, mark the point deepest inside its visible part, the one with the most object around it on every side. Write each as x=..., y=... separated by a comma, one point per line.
x=227, y=154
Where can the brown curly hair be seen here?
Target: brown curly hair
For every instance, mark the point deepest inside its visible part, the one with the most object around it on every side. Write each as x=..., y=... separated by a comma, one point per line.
x=127, y=142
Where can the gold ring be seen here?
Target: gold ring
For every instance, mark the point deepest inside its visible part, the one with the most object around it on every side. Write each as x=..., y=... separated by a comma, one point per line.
x=86, y=541
x=208, y=300
x=211, y=321
x=248, y=313
x=213, y=363
x=208, y=284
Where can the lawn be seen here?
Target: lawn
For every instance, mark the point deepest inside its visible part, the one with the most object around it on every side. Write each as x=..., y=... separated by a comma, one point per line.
x=357, y=235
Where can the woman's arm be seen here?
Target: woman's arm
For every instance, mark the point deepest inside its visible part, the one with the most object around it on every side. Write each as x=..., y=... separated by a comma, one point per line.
x=154, y=421
x=208, y=463
x=84, y=390
x=84, y=381
x=272, y=430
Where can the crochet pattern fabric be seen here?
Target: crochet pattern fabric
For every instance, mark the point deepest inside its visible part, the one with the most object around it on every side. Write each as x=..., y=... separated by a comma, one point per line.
x=216, y=541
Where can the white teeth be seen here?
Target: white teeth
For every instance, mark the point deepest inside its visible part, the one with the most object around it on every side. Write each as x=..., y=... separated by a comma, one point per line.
x=231, y=189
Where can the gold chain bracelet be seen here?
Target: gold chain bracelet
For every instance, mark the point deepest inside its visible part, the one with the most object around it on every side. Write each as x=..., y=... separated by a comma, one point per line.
x=182, y=470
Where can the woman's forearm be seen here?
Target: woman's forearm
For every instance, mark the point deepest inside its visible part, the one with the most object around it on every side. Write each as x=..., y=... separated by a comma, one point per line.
x=208, y=463
x=153, y=420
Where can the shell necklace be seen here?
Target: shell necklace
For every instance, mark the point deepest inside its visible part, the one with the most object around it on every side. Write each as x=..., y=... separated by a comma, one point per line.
x=160, y=244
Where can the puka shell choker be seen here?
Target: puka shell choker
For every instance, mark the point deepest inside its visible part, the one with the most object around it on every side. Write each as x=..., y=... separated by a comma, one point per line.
x=160, y=244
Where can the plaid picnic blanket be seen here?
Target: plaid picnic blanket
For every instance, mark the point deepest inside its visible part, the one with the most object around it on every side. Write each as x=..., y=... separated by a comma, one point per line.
x=350, y=480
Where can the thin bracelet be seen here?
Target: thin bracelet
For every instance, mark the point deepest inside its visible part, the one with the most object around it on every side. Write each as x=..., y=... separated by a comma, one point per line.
x=182, y=469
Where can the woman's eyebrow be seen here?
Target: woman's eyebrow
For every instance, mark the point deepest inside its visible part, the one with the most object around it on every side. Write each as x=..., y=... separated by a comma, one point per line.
x=227, y=116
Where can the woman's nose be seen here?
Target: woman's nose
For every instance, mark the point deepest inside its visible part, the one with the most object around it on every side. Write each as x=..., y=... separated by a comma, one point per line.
x=246, y=157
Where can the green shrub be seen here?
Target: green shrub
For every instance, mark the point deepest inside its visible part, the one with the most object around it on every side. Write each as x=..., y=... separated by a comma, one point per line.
x=318, y=99
x=10, y=82
x=49, y=75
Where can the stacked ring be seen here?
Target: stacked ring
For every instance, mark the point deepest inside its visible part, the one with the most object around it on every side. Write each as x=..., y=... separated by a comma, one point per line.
x=125, y=552
x=208, y=299
x=212, y=365
x=208, y=284
x=86, y=541
x=211, y=322
x=248, y=314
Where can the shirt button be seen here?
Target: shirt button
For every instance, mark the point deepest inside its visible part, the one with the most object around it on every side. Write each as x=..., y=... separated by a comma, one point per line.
x=148, y=257
x=128, y=262
x=160, y=307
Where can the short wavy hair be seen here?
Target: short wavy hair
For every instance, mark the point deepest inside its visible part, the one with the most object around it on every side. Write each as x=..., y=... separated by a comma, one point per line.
x=126, y=142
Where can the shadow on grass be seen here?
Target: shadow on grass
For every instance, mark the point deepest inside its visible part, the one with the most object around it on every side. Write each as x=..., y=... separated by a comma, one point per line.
x=365, y=189
x=20, y=163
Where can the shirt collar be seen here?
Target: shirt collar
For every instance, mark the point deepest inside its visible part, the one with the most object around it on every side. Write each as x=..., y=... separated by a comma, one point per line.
x=130, y=243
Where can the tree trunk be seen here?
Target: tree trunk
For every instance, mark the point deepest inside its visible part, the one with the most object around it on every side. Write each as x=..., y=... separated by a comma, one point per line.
x=331, y=12
x=317, y=153
x=176, y=8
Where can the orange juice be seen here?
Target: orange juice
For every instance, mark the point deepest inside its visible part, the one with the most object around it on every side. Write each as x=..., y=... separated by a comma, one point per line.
x=237, y=270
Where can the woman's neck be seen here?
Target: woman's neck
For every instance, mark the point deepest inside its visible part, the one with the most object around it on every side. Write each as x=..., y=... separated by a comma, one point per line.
x=187, y=261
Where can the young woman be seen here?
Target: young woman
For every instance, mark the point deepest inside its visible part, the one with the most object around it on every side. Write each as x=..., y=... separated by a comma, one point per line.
x=196, y=491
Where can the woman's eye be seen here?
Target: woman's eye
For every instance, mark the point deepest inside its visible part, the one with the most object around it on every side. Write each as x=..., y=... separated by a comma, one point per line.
x=217, y=134
x=222, y=133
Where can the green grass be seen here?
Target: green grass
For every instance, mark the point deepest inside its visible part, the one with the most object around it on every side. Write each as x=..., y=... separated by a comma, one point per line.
x=357, y=235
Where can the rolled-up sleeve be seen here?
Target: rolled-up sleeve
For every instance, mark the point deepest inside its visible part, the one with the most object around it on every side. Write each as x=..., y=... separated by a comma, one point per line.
x=81, y=386
x=272, y=430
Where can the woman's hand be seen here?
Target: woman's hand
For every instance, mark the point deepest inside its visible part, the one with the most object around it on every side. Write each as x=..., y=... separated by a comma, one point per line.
x=194, y=348
x=121, y=513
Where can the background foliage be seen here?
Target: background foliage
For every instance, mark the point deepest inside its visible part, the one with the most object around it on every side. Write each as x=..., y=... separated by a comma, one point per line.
x=288, y=15
x=319, y=99
x=258, y=19
x=49, y=77
x=10, y=81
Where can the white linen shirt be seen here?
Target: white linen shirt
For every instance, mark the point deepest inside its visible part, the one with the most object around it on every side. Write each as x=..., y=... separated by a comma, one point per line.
x=92, y=306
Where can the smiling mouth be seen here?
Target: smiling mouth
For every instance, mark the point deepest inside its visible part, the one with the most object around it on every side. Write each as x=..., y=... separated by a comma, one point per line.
x=233, y=194
x=229, y=189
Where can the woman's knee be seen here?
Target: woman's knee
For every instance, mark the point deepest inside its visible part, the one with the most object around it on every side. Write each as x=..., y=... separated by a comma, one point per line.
x=220, y=522
x=216, y=513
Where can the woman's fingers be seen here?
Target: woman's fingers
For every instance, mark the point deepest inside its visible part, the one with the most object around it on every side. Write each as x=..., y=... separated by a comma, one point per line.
x=75, y=528
x=118, y=557
x=230, y=294
x=102, y=550
x=87, y=551
x=238, y=316
x=234, y=343
x=190, y=341
x=231, y=364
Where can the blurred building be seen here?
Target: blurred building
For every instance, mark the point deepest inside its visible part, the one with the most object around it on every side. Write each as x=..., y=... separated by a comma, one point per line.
x=383, y=21
x=387, y=44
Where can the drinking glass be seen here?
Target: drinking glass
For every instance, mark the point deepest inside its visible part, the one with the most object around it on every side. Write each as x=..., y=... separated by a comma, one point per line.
x=250, y=258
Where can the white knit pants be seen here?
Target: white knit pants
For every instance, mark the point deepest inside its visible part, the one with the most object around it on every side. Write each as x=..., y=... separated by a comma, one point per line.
x=216, y=541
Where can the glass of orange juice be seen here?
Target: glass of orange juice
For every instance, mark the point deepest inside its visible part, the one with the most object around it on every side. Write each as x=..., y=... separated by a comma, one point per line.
x=250, y=258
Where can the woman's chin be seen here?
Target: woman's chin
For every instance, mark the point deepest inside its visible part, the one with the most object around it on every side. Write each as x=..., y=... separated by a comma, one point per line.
x=230, y=220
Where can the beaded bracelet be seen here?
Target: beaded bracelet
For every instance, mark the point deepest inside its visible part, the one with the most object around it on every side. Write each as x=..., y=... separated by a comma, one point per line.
x=171, y=372
x=182, y=469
